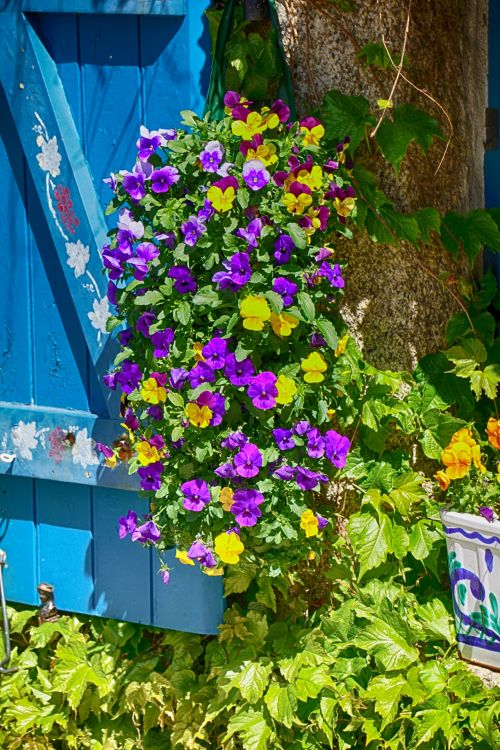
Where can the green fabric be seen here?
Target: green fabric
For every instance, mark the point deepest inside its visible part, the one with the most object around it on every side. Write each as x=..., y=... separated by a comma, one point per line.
x=217, y=88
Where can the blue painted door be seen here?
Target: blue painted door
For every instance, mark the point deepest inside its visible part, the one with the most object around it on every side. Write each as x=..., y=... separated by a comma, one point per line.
x=77, y=79
x=492, y=154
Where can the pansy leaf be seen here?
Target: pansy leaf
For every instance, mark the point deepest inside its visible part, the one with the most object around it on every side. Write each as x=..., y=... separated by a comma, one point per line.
x=306, y=305
x=326, y=328
x=298, y=235
x=151, y=297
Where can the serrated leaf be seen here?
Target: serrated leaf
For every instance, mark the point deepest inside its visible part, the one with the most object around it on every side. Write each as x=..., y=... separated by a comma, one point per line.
x=252, y=728
x=311, y=680
x=466, y=357
x=239, y=577
x=407, y=491
x=469, y=232
x=306, y=306
x=252, y=680
x=404, y=227
x=370, y=538
x=400, y=541
x=374, y=54
x=429, y=723
x=387, y=645
x=428, y=220
x=281, y=702
x=435, y=620
x=485, y=380
x=422, y=540
x=408, y=124
x=346, y=115
x=386, y=692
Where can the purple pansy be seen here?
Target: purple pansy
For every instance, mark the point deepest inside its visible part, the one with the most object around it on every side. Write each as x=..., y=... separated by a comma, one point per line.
x=248, y=461
x=281, y=109
x=251, y=234
x=236, y=274
x=246, y=507
x=307, y=479
x=336, y=448
x=196, y=494
x=127, y=524
x=211, y=156
x=151, y=476
x=147, y=143
x=302, y=427
x=234, y=440
x=322, y=522
x=201, y=373
x=184, y=281
x=332, y=273
x=255, y=174
x=284, y=439
x=129, y=376
x=225, y=471
x=198, y=551
x=147, y=532
x=193, y=229
x=178, y=376
x=262, y=391
x=163, y=179
x=161, y=341
x=287, y=289
x=286, y=473
x=317, y=340
x=322, y=254
x=133, y=183
x=215, y=353
x=238, y=372
x=155, y=411
x=109, y=380
x=206, y=213
x=315, y=443
x=130, y=419
x=129, y=230
x=283, y=247
x=125, y=336
x=145, y=320
x=106, y=451
x=487, y=513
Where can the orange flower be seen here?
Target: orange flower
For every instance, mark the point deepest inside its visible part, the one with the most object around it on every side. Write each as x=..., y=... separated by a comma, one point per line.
x=493, y=432
x=457, y=458
x=443, y=480
x=463, y=435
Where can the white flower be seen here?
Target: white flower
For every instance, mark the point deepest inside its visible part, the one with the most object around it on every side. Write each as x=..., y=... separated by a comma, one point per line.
x=49, y=158
x=78, y=256
x=24, y=438
x=82, y=451
x=100, y=315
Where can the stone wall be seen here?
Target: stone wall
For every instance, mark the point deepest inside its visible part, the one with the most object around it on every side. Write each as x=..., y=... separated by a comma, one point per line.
x=394, y=305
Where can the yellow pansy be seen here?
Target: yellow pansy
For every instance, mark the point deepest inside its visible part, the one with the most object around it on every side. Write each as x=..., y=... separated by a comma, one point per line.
x=464, y=435
x=283, y=324
x=297, y=204
x=111, y=461
x=493, y=432
x=313, y=178
x=147, y=453
x=457, y=458
x=199, y=416
x=309, y=523
x=246, y=130
x=270, y=118
x=229, y=547
x=314, y=367
x=255, y=311
x=342, y=345
x=476, y=458
x=345, y=206
x=226, y=498
x=197, y=347
x=330, y=414
x=443, y=480
x=221, y=200
x=312, y=136
x=182, y=556
x=266, y=153
x=213, y=571
x=286, y=390
x=152, y=392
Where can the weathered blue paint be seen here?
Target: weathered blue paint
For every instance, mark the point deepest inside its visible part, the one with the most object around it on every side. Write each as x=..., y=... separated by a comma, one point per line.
x=492, y=157
x=121, y=7
x=89, y=78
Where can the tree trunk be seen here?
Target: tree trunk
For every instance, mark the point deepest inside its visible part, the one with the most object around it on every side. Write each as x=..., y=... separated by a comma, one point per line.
x=394, y=303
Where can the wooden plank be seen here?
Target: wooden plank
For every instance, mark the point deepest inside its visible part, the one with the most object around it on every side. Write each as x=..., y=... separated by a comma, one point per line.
x=16, y=381
x=122, y=568
x=53, y=151
x=34, y=438
x=191, y=601
x=121, y=7
x=65, y=543
x=18, y=537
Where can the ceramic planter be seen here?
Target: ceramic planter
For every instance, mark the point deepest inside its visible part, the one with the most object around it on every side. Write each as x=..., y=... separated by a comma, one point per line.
x=474, y=566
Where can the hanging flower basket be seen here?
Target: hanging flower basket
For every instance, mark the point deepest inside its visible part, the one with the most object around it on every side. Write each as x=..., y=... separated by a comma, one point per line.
x=474, y=565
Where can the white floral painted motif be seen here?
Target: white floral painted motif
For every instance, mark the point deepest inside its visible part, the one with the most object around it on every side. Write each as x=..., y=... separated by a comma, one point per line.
x=78, y=256
x=83, y=453
x=100, y=314
x=24, y=438
x=49, y=158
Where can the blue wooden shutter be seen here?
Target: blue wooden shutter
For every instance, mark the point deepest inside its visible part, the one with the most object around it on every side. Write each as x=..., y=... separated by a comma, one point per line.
x=76, y=82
